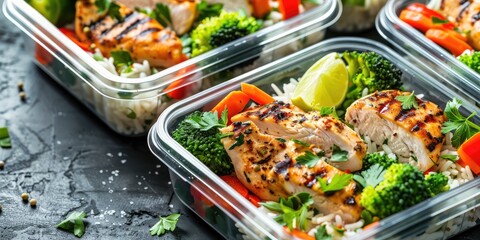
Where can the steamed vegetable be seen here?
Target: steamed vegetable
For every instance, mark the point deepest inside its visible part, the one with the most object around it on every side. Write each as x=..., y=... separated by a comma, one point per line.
x=371, y=71
x=403, y=186
x=448, y=41
x=256, y=94
x=199, y=134
x=379, y=158
x=234, y=102
x=217, y=31
x=471, y=59
x=289, y=8
x=469, y=153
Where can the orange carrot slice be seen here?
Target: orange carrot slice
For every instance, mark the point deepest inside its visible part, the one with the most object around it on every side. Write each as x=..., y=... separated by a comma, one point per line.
x=235, y=102
x=235, y=184
x=257, y=94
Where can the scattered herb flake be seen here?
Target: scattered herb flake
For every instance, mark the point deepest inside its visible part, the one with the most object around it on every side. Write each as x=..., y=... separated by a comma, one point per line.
x=339, y=155
x=302, y=143
x=414, y=158
x=121, y=58
x=328, y=111
x=161, y=13
x=125, y=95
x=436, y=20
x=131, y=114
x=74, y=223
x=462, y=126
x=321, y=233
x=293, y=211
x=206, y=10
x=238, y=142
x=281, y=140
x=450, y=157
x=167, y=223
x=321, y=154
x=338, y=182
x=408, y=101
x=308, y=159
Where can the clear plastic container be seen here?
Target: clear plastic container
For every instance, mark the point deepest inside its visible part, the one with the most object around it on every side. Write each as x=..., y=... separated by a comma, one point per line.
x=131, y=105
x=233, y=216
x=423, y=51
x=358, y=18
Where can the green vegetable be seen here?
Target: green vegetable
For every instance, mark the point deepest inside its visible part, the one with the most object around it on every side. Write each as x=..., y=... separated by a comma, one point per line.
x=131, y=114
x=337, y=183
x=161, y=13
x=371, y=177
x=328, y=111
x=437, y=183
x=450, y=157
x=339, y=155
x=408, y=101
x=359, y=3
x=167, y=223
x=301, y=143
x=462, y=126
x=74, y=223
x=472, y=60
x=308, y=159
x=436, y=20
x=206, y=10
x=216, y=31
x=321, y=233
x=58, y=12
x=403, y=186
x=5, y=141
x=208, y=120
x=204, y=144
x=372, y=71
x=238, y=142
x=121, y=58
x=379, y=158
x=111, y=7
x=292, y=211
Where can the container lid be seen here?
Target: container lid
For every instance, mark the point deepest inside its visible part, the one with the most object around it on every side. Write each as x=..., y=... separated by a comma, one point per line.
x=222, y=58
x=187, y=167
x=423, y=51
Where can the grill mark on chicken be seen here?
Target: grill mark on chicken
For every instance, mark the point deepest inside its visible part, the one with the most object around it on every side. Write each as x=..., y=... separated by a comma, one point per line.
x=463, y=10
x=131, y=27
x=126, y=19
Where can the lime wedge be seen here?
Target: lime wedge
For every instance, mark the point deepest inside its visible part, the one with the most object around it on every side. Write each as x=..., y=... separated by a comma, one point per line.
x=325, y=84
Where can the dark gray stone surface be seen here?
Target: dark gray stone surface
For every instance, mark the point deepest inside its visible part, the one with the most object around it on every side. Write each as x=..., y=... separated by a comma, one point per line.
x=67, y=159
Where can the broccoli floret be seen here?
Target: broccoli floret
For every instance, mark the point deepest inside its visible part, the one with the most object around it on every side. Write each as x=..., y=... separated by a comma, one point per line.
x=437, y=183
x=369, y=70
x=216, y=31
x=203, y=144
x=379, y=158
x=471, y=59
x=403, y=186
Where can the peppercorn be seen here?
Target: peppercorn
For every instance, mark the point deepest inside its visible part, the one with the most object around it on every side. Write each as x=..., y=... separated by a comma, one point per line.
x=24, y=196
x=2, y=164
x=33, y=202
x=23, y=96
x=20, y=86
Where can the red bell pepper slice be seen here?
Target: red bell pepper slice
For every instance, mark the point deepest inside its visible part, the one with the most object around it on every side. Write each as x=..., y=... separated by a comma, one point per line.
x=289, y=8
x=469, y=153
x=73, y=36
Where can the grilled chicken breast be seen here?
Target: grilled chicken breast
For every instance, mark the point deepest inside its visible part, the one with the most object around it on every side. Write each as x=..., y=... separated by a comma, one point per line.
x=466, y=15
x=286, y=121
x=267, y=167
x=144, y=38
x=182, y=12
x=413, y=134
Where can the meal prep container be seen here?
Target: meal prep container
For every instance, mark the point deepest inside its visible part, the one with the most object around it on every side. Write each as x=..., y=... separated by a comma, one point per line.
x=414, y=43
x=233, y=216
x=131, y=105
x=358, y=18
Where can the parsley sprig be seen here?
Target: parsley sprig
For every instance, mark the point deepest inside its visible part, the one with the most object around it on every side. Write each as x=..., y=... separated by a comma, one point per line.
x=321, y=233
x=371, y=177
x=337, y=183
x=462, y=127
x=205, y=10
x=74, y=223
x=309, y=159
x=111, y=7
x=167, y=223
x=293, y=211
x=408, y=101
x=339, y=155
x=450, y=157
x=209, y=120
x=121, y=58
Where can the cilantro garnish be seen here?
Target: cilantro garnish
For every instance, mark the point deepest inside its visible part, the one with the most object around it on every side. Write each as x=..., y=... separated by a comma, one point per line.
x=206, y=10
x=281, y=140
x=112, y=8
x=321, y=233
x=328, y=111
x=338, y=182
x=121, y=58
x=436, y=20
x=74, y=223
x=238, y=142
x=5, y=141
x=209, y=120
x=302, y=143
x=339, y=155
x=371, y=177
x=450, y=157
x=408, y=101
x=308, y=159
x=131, y=114
x=161, y=13
x=292, y=211
x=167, y=223
x=462, y=126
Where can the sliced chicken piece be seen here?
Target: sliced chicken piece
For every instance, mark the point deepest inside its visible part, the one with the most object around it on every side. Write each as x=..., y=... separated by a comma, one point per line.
x=267, y=167
x=414, y=135
x=453, y=8
x=286, y=121
x=144, y=38
x=136, y=3
x=466, y=15
x=182, y=12
x=234, y=5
